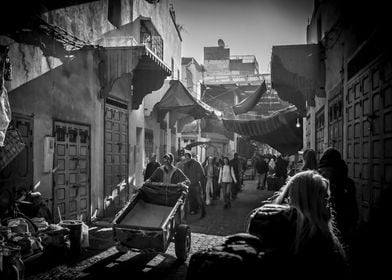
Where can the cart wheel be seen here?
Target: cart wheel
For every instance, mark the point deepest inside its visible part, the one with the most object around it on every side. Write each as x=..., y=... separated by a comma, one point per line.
x=183, y=242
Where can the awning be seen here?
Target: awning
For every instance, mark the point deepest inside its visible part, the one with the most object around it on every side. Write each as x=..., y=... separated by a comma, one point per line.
x=278, y=130
x=181, y=104
x=215, y=125
x=250, y=102
x=297, y=73
x=138, y=63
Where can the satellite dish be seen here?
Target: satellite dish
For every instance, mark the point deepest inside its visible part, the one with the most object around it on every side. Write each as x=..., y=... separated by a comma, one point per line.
x=221, y=43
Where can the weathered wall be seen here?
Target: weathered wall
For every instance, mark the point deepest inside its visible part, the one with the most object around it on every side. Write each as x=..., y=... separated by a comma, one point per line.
x=216, y=61
x=49, y=90
x=328, y=27
x=161, y=18
x=69, y=94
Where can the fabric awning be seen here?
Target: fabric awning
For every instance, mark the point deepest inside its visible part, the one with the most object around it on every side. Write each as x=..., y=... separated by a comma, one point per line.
x=278, y=130
x=179, y=100
x=297, y=73
x=215, y=125
x=137, y=63
x=250, y=102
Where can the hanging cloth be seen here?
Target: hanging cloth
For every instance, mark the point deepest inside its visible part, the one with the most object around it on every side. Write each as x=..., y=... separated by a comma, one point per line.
x=5, y=109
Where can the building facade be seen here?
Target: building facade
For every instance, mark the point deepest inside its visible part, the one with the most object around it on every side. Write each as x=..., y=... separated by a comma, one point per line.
x=355, y=116
x=90, y=103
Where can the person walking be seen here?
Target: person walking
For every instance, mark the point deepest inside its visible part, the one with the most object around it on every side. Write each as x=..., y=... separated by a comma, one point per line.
x=194, y=171
x=168, y=173
x=151, y=166
x=210, y=171
x=237, y=167
x=226, y=179
x=261, y=167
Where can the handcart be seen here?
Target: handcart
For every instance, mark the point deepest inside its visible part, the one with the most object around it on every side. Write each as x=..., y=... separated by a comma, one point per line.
x=154, y=217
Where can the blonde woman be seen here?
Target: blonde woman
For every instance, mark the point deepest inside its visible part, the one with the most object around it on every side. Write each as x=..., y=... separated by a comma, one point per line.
x=226, y=180
x=300, y=229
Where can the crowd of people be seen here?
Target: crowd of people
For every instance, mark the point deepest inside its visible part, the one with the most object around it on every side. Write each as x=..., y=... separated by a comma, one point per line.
x=307, y=226
x=213, y=180
x=318, y=201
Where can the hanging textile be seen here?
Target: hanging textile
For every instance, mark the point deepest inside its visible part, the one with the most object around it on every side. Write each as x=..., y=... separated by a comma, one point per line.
x=251, y=101
x=5, y=109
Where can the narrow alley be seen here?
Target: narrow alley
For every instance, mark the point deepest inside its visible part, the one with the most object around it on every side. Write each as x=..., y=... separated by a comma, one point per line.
x=123, y=121
x=103, y=261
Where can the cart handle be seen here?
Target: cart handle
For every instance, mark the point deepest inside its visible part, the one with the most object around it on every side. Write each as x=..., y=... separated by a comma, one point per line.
x=160, y=184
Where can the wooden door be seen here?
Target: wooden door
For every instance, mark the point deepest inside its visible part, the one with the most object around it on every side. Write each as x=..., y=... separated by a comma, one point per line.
x=116, y=189
x=72, y=171
x=369, y=133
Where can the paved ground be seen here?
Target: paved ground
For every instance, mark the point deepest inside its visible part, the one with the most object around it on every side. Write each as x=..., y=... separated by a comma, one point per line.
x=102, y=261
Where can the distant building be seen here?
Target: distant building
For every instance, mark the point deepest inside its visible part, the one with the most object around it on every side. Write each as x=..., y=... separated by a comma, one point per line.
x=228, y=79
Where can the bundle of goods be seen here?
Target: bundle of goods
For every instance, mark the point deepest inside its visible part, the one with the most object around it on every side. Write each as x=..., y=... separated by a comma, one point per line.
x=239, y=256
x=40, y=223
x=19, y=234
x=55, y=235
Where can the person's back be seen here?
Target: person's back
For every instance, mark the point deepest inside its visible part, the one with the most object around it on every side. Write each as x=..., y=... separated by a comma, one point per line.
x=310, y=160
x=343, y=192
x=261, y=166
x=194, y=171
x=281, y=168
x=300, y=236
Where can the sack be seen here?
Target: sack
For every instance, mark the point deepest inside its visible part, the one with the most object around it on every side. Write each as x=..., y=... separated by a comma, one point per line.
x=274, y=225
x=237, y=257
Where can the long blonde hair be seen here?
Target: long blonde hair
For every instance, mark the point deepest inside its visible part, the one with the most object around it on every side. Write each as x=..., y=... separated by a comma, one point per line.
x=308, y=192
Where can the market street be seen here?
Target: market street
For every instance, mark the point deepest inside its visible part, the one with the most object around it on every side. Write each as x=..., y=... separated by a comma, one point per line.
x=102, y=260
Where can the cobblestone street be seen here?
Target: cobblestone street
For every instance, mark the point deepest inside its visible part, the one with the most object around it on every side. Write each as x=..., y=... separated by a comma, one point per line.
x=102, y=260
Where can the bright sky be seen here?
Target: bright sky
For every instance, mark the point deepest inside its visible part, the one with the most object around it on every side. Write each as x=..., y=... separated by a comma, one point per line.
x=246, y=26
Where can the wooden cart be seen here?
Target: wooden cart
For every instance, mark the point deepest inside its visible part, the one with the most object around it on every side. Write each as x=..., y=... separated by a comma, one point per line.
x=153, y=218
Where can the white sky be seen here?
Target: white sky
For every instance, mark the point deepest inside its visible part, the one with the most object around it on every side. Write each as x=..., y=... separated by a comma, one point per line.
x=246, y=26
